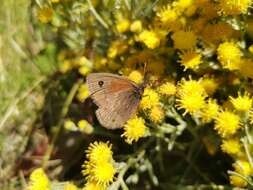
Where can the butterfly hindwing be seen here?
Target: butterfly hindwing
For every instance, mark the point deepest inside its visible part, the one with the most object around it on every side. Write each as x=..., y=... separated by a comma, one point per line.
x=118, y=111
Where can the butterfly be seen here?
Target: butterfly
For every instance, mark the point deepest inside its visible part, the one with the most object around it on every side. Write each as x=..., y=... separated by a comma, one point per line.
x=116, y=96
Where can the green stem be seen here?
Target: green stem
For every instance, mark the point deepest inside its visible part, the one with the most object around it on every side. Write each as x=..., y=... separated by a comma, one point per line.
x=59, y=125
x=97, y=16
x=246, y=148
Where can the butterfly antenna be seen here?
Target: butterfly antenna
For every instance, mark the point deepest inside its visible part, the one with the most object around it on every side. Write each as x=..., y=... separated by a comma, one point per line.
x=145, y=80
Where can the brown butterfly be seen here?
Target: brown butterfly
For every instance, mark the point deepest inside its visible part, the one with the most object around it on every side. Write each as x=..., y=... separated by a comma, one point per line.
x=116, y=96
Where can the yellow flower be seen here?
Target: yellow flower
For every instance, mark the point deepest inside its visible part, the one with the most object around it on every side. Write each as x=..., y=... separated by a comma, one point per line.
x=55, y=1
x=39, y=180
x=234, y=7
x=250, y=49
x=149, y=38
x=237, y=181
x=246, y=68
x=70, y=125
x=123, y=25
x=167, y=89
x=65, y=66
x=190, y=59
x=231, y=146
x=70, y=186
x=156, y=67
x=167, y=16
x=84, y=126
x=83, y=93
x=84, y=64
x=215, y=33
x=156, y=114
x=184, y=39
x=150, y=98
x=136, y=76
x=190, y=87
x=183, y=4
x=91, y=185
x=242, y=103
x=229, y=55
x=243, y=167
x=45, y=15
x=117, y=48
x=210, y=84
x=103, y=173
x=136, y=26
x=209, y=111
x=191, y=96
x=84, y=70
x=191, y=103
x=134, y=129
x=208, y=10
x=227, y=123
x=99, y=168
x=99, y=152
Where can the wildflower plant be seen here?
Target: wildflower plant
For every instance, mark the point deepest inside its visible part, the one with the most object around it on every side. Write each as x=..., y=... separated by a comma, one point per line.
x=196, y=106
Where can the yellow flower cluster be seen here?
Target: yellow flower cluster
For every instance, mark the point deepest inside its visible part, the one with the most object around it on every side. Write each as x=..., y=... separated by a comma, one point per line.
x=99, y=167
x=196, y=56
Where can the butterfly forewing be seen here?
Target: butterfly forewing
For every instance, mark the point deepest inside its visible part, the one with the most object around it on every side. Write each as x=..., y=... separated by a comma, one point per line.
x=115, y=96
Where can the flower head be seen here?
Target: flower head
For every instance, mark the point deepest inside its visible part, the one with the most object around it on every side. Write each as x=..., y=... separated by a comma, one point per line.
x=99, y=167
x=156, y=114
x=184, y=39
x=84, y=126
x=149, y=38
x=234, y=7
x=209, y=111
x=99, y=152
x=83, y=92
x=242, y=103
x=210, y=84
x=190, y=59
x=227, y=123
x=103, y=173
x=150, y=98
x=237, y=181
x=231, y=146
x=136, y=26
x=70, y=186
x=229, y=55
x=45, y=15
x=136, y=76
x=91, y=185
x=243, y=167
x=191, y=96
x=167, y=16
x=167, y=89
x=123, y=25
x=134, y=129
x=39, y=180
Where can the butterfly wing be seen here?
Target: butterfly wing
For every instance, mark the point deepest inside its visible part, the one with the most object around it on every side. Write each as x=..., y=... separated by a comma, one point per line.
x=121, y=108
x=115, y=96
